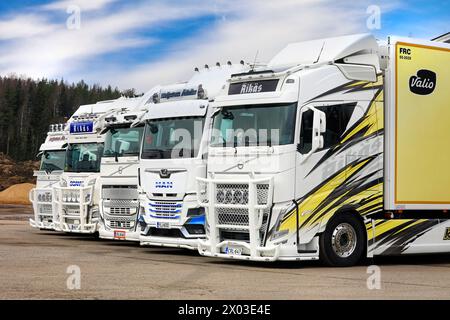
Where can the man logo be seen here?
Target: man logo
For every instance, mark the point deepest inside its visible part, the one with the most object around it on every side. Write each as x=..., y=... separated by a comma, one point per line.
x=447, y=234
x=424, y=83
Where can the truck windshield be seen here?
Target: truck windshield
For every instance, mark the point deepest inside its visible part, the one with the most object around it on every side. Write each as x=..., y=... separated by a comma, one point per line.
x=123, y=142
x=53, y=160
x=254, y=125
x=172, y=138
x=84, y=157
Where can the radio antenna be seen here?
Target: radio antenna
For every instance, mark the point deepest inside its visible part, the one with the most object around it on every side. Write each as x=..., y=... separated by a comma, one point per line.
x=254, y=61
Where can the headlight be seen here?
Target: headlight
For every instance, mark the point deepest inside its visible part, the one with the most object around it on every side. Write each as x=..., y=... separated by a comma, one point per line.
x=237, y=196
x=220, y=196
x=228, y=196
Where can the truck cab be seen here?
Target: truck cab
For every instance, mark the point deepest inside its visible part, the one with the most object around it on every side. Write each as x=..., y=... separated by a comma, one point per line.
x=76, y=197
x=291, y=144
x=53, y=155
x=173, y=154
x=118, y=182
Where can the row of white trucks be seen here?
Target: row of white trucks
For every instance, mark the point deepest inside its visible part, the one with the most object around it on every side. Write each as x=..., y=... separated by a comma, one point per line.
x=338, y=149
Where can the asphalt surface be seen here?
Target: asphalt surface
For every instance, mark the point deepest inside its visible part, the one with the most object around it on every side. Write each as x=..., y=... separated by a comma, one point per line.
x=34, y=265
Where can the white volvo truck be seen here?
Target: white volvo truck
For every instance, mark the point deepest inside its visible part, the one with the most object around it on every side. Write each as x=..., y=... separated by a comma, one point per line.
x=75, y=199
x=336, y=150
x=119, y=203
x=53, y=155
x=174, y=151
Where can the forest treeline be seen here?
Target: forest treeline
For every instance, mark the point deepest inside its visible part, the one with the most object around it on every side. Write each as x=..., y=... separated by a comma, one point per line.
x=28, y=107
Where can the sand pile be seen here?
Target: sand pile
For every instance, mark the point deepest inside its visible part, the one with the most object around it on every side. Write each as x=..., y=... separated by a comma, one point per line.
x=16, y=194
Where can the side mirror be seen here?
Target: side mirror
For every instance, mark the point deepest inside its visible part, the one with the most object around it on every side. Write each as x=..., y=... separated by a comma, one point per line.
x=319, y=127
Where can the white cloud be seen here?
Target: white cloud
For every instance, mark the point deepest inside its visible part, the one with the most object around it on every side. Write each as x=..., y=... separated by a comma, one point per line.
x=24, y=26
x=87, y=5
x=248, y=27
x=60, y=52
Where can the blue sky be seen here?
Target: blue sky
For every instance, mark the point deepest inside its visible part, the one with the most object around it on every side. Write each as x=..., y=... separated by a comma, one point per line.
x=141, y=43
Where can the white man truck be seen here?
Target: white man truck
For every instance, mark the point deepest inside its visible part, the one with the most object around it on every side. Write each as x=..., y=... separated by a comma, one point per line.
x=173, y=155
x=75, y=199
x=53, y=155
x=119, y=203
x=336, y=150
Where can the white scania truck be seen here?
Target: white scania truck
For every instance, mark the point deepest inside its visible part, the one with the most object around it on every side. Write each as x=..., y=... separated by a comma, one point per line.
x=119, y=203
x=336, y=150
x=174, y=151
x=53, y=155
x=75, y=201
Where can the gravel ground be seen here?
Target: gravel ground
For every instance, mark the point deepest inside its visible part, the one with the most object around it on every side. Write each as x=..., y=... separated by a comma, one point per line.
x=34, y=265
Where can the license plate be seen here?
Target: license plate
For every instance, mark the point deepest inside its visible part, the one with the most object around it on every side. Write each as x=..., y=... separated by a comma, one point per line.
x=163, y=225
x=73, y=227
x=233, y=251
x=120, y=235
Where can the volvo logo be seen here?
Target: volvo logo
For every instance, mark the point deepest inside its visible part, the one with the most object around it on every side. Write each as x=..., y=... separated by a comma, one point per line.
x=120, y=170
x=240, y=165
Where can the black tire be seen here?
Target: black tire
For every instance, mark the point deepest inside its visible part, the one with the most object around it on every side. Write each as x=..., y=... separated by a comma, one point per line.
x=334, y=238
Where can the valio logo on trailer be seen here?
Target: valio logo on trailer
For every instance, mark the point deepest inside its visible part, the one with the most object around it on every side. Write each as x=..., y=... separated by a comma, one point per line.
x=423, y=83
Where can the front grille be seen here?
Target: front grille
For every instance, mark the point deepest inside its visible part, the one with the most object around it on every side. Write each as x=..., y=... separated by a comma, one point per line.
x=169, y=233
x=262, y=191
x=235, y=217
x=234, y=235
x=120, y=211
x=165, y=209
x=120, y=222
x=232, y=193
x=121, y=203
x=45, y=209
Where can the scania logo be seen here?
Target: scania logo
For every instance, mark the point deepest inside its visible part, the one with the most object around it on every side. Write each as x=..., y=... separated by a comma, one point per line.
x=423, y=83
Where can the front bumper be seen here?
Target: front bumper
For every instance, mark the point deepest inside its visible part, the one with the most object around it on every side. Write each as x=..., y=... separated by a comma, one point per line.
x=119, y=234
x=237, y=207
x=41, y=225
x=119, y=219
x=191, y=244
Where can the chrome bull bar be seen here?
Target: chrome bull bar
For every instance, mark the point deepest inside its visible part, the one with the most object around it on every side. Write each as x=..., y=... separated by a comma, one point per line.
x=73, y=203
x=43, y=208
x=237, y=206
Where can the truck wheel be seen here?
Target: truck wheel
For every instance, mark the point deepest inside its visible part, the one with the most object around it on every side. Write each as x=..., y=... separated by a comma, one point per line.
x=343, y=242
